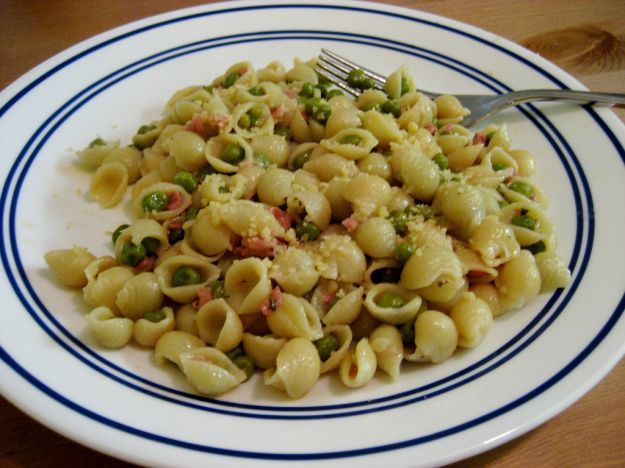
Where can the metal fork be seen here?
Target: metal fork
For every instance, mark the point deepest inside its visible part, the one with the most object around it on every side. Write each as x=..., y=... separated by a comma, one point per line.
x=336, y=68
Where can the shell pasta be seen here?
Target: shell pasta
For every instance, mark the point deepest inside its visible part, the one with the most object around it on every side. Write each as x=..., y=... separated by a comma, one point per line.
x=285, y=230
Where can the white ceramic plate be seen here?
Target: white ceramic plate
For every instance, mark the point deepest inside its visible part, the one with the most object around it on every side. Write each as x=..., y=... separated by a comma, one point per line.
x=534, y=363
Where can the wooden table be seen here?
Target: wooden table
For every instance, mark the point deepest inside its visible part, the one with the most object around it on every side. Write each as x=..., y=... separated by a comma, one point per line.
x=587, y=38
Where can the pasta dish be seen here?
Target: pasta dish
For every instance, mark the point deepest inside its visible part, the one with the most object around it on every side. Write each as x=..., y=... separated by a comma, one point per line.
x=284, y=229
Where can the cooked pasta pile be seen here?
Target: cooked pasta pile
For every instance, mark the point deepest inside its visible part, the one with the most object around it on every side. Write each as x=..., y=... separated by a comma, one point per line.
x=283, y=226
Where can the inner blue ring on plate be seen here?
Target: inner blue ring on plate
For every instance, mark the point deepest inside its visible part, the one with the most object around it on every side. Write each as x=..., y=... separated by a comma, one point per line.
x=543, y=320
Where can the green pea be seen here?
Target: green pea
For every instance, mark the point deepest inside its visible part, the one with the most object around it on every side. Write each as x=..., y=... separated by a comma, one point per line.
x=334, y=92
x=233, y=153
x=317, y=109
x=145, y=129
x=192, y=213
x=350, y=140
x=185, y=276
x=186, y=180
x=522, y=187
x=256, y=91
x=307, y=231
x=231, y=79
x=325, y=346
x=386, y=275
x=256, y=116
x=217, y=288
x=302, y=158
x=391, y=300
x=311, y=104
x=308, y=90
x=97, y=142
x=118, y=232
x=355, y=78
x=175, y=235
x=405, y=86
x=524, y=221
x=262, y=160
x=391, y=106
x=407, y=333
x=322, y=113
x=155, y=201
x=155, y=316
x=246, y=364
x=403, y=251
x=499, y=167
x=441, y=161
x=367, y=83
x=132, y=254
x=151, y=245
x=282, y=131
x=536, y=247
x=245, y=121
x=398, y=219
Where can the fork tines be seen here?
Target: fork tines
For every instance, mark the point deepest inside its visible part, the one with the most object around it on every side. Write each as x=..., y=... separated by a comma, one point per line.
x=335, y=68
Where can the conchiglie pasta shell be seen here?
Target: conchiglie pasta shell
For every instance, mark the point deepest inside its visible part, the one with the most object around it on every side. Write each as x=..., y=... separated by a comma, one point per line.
x=436, y=337
x=297, y=368
x=247, y=285
x=518, y=281
x=130, y=158
x=219, y=325
x=184, y=294
x=274, y=186
x=249, y=219
x=93, y=156
x=173, y=343
x=68, y=265
x=210, y=371
x=388, y=347
x=350, y=151
x=367, y=193
x=109, y=331
x=346, y=309
x=103, y=290
x=138, y=295
x=392, y=315
x=554, y=273
x=108, y=184
x=294, y=270
x=494, y=241
x=147, y=333
x=263, y=349
x=329, y=165
x=295, y=318
x=358, y=367
x=382, y=126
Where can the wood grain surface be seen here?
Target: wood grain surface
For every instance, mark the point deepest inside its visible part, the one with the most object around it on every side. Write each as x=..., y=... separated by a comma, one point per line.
x=587, y=38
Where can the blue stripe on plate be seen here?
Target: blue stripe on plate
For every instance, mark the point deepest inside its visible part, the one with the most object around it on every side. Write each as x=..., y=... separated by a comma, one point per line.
x=529, y=112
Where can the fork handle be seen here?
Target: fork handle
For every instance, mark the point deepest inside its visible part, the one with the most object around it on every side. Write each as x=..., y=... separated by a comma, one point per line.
x=587, y=97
